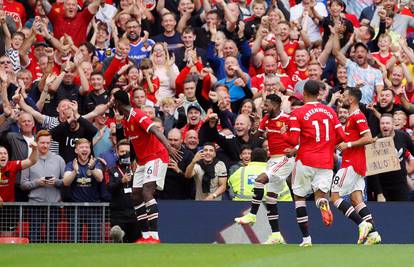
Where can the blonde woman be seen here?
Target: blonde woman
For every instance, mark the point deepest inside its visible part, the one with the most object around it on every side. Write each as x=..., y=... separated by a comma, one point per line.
x=165, y=69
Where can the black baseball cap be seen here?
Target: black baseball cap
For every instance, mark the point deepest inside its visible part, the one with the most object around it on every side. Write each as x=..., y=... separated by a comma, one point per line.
x=39, y=44
x=358, y=44
x=195, y=106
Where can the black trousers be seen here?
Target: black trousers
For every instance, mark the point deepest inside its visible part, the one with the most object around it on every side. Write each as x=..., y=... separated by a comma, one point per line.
x=132, y=231
x=396, y=192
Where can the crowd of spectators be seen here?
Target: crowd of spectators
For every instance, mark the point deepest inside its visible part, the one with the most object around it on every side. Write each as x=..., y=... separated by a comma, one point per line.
x=200, y=69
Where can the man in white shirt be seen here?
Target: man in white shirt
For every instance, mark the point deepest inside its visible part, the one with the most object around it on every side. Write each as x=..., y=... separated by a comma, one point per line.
x=314, y=10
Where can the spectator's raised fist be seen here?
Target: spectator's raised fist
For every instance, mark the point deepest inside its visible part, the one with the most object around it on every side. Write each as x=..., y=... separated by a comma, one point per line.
x=204, y=72
x=399, y=91
x=213, y=96
x=382, y=13
x=3, y=76
x=179, y=102
x=2, y=17
x=213, y=117
x=33, y=145
x=17, y=97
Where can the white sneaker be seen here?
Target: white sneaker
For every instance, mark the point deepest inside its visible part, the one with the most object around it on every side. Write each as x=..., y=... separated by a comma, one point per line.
x=275, y=238
x=307, y=242
x=373, y=239
x=364, y=229
x=117, y=234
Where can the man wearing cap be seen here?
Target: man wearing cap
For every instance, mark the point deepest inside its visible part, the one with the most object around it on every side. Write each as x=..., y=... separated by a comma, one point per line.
x=194, y=119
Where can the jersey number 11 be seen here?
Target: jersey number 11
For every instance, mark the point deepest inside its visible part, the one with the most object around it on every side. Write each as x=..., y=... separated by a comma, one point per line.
x=318, y=132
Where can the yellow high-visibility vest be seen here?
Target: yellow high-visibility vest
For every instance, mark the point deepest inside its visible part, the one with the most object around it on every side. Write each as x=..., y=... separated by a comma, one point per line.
x=242, y=182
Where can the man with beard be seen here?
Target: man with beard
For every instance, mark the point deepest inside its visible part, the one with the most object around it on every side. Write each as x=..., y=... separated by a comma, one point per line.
x=278, y=169
x=176, y=185
x=140, y=46
x=385, y=105
x=209, y=173
x=392, y=186
x=349, y=180
x=343, y=115
x=359, y=72
x=43, y=181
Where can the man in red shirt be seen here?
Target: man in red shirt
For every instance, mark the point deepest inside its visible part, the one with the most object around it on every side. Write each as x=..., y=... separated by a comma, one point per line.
x=72, y=22
x=152, y=149
x=350, y=178
x=270, y=67
x=9, y=170
x=297, y=68
x=15, y=10
x=279, y=167
x=318, y=129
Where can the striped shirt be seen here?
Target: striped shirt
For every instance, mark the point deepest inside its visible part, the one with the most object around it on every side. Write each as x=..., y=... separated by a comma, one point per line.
x=49, y=123
x=14, y=56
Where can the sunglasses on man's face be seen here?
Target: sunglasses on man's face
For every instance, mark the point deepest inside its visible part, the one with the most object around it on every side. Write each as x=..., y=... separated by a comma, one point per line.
x=5, y=62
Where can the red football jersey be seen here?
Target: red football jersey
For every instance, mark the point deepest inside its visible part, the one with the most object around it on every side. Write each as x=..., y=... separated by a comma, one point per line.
x=380, y=58
x=290, y=47
x=272, y=126
x=318, y=127
x=355, y=156
x=258, y=82
x=295, y=73
x=8, y=179
x=146, y=145
x=15, y=10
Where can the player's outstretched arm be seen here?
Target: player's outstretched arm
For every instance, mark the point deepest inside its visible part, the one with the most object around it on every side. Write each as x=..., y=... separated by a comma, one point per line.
x=174, y=153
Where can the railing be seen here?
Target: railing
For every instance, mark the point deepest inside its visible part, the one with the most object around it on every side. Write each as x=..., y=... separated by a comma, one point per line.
x=56, y=222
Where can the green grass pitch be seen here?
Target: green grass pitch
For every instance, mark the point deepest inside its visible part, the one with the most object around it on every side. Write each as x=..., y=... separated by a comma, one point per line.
x=196, y=255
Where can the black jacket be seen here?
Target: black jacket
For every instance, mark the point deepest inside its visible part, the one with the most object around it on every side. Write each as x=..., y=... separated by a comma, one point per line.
x=403, y=143
x=121, y=206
